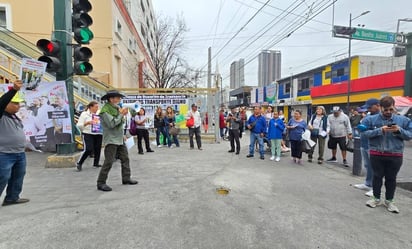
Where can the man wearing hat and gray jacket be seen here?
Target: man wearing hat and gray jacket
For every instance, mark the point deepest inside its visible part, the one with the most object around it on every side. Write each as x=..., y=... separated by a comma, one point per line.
x=112, y=119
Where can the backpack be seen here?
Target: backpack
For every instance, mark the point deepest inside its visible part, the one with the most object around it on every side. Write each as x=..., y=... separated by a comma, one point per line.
x=132, y=129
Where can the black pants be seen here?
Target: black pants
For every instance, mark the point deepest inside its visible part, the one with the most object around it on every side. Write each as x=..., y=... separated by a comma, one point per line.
x=296, y=148
x=196, y=132
x=91, y=143
x=110, y=153
x=234, y=137
x=388, y=167
x=143, y=134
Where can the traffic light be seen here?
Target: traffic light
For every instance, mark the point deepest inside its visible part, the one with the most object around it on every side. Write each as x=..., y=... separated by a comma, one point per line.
x=51, y=54
x=342, y=30
x=81, y=61
x=81, y=21
x=82, y=35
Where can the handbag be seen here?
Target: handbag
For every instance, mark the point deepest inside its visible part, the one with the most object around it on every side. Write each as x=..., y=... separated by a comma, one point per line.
x=174, y=131
x=350, y=145
x=190, y=122
x=132, y=129
x=305, y=146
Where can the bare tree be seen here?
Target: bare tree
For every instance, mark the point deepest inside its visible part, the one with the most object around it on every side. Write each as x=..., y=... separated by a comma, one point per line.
x=171, y=70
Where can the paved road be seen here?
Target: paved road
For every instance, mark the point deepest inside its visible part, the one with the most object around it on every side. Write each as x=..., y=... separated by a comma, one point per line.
x=270, y=205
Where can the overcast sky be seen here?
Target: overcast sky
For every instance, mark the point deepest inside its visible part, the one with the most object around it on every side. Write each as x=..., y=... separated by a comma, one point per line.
x=215, y=23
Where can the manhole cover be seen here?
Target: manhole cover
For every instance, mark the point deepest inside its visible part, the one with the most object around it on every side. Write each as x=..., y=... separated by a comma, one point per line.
x=222, y=191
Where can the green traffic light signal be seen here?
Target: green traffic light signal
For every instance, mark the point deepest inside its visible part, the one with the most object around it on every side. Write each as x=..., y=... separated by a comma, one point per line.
x=83, y=35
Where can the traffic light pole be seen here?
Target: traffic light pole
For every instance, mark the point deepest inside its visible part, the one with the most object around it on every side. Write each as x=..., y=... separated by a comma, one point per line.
x=62, y=33
x=408, y=69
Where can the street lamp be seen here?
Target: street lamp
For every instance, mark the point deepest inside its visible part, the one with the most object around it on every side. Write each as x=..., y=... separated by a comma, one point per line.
x=349, y=55
x=397, y=32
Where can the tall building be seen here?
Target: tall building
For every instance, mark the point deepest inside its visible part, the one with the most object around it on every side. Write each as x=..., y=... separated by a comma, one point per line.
x=237, y=74
x=270, y=62
x=123, y=35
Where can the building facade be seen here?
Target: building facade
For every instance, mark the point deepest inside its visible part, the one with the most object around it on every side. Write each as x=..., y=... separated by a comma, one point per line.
x=123, y=31
x=269, y=68
x=237, y=74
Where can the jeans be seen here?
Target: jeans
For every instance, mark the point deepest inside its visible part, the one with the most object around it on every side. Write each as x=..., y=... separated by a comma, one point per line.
x=12, y=171
x=253, y=138
x=367, y=163
x=165, y=135
x=388, y=167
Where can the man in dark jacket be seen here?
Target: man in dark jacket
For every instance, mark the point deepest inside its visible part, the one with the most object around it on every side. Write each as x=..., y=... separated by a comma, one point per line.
x=12, y=145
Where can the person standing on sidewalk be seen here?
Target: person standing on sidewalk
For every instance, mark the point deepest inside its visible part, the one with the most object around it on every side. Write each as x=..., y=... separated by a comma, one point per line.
x=160, y=126
x=92, y=139
x=233, y=120
x=318, y=126
x=195, y=129
x=275, y=131
x=373, y=107
x=142, y=131
x=340, y=129
x=12, y=146
x=386, y=132
x=112, y=118
x=296, y=127
x=257, y=126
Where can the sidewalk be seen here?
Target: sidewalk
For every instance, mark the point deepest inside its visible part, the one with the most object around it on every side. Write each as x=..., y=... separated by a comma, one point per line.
x=175, y=205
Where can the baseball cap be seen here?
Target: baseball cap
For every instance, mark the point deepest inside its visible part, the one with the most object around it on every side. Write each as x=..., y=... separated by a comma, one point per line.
x=336, y=109
x=370, y=102
x=360, y=109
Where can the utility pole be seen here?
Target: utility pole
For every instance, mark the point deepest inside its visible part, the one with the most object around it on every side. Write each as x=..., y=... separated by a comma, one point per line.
x=408, y=69
x=63, y=34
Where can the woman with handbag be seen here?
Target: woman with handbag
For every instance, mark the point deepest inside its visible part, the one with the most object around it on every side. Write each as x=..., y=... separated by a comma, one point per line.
x=170, y=121
x=318, y=132
x=159, y=125
x=296, y=126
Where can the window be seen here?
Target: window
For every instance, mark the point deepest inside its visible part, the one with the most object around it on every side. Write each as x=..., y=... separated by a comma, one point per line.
x=340, y=72
x=304, y=84
x=134, y=45
x=328, y=75
x=287, y=88
x=142, y=5
x=118, y=29
x=130, y=46
x=143, y=32
x=5, y=16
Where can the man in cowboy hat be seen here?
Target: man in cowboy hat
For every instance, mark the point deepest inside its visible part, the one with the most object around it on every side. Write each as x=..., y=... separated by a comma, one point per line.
x=112, y=119
x=12, y=145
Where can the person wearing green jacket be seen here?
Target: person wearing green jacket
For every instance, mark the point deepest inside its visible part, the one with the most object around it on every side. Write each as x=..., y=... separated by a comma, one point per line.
x=112, y=120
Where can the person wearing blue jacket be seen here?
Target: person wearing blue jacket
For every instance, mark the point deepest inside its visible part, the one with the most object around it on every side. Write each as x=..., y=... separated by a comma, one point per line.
x=296, y=127
x=257, y=126
x=275, y=131
x=386, y=132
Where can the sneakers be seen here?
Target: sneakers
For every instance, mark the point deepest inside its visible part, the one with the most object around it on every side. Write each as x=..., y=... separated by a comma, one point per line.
x=272, y=158
x=159, y=146
x=391, y=207
x=262, y=157
x=332, y=160
x=320, y=161
x=310, y=160
x=250, y=155
x=373, y=202
x=369, y=193
x=79, y=167
x=361, y=186
x=277, y=159
x=345, y=163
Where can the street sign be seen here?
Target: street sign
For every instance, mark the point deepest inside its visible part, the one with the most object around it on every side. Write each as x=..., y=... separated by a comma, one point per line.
x=378, y=36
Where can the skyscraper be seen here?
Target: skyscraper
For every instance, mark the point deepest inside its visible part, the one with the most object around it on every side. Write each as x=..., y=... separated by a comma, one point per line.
x=269, y=67
x=237, y=74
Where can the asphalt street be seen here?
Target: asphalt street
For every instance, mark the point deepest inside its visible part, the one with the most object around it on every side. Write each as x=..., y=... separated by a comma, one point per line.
x=175, y=205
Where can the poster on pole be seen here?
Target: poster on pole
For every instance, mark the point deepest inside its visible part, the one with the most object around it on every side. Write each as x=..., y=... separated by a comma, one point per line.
x=31, y=73
x=45, y=114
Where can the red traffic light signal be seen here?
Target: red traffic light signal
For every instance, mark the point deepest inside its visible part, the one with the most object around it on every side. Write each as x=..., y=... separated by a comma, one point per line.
x=51, y=54
x=81, y=61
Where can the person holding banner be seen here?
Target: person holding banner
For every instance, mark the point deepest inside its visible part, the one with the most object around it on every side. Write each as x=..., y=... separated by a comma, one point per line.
x=89, y=124
x=12, y=146
x=112, y=118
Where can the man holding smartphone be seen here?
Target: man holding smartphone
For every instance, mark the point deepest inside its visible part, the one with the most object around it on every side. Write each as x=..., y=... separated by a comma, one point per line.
x=386, y=132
